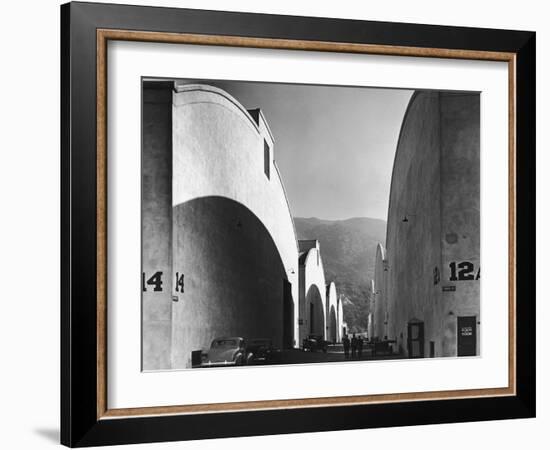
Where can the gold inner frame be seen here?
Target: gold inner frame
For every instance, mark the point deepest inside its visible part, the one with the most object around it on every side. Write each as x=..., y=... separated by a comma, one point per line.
x=104, y=35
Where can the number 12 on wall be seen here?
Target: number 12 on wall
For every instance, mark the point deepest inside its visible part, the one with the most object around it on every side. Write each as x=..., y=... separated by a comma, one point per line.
x=463, y=271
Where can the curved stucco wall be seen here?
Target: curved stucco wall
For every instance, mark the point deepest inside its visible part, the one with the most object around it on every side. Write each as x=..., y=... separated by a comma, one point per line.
x=220, y=147
x=211, y=213
x=312, y=279
x=333, y=324
x=340, y=319
x=379, y=317
x=239, y=289
x=433, y=219
x=371, y=293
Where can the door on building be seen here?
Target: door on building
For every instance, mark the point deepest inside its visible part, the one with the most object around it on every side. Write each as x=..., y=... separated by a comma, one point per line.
x=466, y=336
x=415, y=339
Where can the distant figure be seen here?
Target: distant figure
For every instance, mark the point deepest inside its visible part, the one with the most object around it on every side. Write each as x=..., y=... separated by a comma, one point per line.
x=345, y=342
x=359, y=346
x=353, y=346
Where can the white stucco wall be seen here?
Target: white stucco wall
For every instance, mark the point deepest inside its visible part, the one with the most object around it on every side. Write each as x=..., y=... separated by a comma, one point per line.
x=380, y=294
x=341, y=323
x=220, y=147
x=312, y=276
x=435, y=184
x=232, y=232
x=332, y=307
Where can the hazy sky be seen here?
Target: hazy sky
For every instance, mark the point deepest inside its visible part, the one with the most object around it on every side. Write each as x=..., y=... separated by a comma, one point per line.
x=334, y=145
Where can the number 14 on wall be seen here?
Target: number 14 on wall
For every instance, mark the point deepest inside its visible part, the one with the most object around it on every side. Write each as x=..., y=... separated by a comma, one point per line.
x=156, y=282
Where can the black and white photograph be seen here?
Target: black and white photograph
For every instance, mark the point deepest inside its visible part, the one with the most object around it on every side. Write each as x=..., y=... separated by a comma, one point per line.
x=300, y=224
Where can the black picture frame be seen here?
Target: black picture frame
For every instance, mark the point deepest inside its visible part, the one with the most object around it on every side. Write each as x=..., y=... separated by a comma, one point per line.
x=80, y=425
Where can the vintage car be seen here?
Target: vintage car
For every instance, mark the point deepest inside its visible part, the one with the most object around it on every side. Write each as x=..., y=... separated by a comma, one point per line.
x=314, y=342
x=225, y=351
x=262, y=351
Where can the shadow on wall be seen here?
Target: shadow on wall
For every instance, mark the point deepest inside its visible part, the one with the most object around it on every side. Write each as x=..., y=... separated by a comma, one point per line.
x=333, y=326
x=314, y=311
x=235, y=281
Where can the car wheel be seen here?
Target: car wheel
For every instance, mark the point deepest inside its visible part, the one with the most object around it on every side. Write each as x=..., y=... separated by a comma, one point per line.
x=249, y=358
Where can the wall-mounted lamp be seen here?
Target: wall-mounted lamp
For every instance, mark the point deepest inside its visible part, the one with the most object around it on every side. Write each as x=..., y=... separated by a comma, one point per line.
x=406, y=217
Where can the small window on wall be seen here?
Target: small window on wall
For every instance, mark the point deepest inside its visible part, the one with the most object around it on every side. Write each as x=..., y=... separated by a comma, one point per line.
x=266, y=159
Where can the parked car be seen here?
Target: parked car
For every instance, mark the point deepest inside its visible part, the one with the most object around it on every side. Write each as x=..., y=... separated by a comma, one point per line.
x=314, y=342
x=226, y=351
x=262, y=351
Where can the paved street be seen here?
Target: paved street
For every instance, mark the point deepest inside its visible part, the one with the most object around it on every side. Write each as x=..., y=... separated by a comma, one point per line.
x=335, y=353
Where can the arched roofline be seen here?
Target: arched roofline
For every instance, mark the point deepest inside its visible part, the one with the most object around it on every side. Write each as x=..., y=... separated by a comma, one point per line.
x=262, y=116
x=330, y=285
x=380, y=248
x=414, y=96
x=308, y=255
x=287, y=203
x=178, y=88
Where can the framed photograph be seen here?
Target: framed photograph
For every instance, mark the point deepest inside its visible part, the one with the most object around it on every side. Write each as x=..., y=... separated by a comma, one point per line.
x=276, y=224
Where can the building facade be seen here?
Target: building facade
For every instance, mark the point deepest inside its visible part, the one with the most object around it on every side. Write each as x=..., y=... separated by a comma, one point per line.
x=219, y=250
x=379, y=296
x=333, y=326
x=313, y=292
x=433, y=228
x=216, y=225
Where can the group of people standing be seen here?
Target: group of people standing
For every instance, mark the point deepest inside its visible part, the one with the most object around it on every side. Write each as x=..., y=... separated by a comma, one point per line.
x=356, y=344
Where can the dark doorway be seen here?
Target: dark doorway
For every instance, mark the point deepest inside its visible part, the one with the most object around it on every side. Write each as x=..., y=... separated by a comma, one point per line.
x=466, y=336
x=432, y=349
x=311, y=318
x=415, y=339
x=332, y=327
x=288, y=315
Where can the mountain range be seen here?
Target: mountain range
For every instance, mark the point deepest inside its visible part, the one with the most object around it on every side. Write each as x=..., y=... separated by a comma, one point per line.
x=348, y=249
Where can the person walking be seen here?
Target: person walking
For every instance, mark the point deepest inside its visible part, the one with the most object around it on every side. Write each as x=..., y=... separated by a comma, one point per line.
x=359, y=346
x=345, y=343
x=353, y=346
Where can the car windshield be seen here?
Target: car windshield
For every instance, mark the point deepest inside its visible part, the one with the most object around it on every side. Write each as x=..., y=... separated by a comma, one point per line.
x=225, y=343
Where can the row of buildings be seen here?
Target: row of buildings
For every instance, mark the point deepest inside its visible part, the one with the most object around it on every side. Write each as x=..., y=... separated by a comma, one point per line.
x=425, y=295
x=220, y=256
